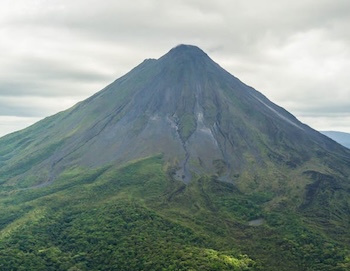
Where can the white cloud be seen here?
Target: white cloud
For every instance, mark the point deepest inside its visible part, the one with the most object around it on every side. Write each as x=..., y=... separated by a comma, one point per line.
x=9, y=124
x=296, y=53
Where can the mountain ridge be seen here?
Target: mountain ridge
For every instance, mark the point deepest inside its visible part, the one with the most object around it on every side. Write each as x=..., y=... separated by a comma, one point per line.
x=340, y=137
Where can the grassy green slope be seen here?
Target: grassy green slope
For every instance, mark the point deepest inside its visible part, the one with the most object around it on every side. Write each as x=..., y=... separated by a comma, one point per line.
x=137, y=217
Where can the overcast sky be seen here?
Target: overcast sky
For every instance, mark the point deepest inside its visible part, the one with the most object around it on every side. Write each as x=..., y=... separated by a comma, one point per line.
x=54, y=53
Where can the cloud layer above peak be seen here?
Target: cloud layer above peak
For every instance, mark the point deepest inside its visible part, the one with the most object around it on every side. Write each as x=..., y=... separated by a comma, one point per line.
x=56, y=53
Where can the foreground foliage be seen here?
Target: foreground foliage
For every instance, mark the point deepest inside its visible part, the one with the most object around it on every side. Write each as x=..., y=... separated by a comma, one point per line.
x=138, y=218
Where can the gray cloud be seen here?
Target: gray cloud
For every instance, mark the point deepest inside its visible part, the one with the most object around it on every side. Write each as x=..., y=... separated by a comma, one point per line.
x=297, y=53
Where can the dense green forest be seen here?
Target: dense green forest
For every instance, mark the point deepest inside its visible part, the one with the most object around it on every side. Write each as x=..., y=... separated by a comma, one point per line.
x=137, y=217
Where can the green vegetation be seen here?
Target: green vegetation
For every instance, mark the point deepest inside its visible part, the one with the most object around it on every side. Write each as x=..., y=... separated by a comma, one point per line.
x=137, y=217
x=72, y=199
x=187, y=126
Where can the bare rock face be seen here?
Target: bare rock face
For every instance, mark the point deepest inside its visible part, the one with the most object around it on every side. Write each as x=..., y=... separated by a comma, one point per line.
x=184, y=106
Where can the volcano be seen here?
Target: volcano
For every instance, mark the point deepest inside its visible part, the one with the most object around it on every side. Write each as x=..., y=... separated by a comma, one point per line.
x=203, y=124
x=183, y=106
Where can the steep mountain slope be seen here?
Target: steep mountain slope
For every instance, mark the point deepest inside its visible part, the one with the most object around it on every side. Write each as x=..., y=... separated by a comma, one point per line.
x=182, y=146
x=174, y=105
x=340, y=137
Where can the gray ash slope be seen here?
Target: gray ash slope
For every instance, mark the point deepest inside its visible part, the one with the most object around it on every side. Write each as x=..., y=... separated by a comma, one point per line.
x=184, y=106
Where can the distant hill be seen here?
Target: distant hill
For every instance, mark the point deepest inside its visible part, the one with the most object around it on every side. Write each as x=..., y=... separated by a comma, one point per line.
x=340, y=137
x=177, y=165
